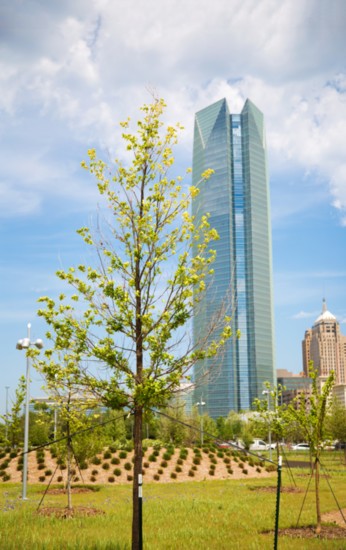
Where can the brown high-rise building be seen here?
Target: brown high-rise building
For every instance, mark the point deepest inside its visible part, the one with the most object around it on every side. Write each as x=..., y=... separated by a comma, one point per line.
x=326, y=347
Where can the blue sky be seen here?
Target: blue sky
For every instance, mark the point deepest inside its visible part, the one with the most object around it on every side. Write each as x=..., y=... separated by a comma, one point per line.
x=70, y=71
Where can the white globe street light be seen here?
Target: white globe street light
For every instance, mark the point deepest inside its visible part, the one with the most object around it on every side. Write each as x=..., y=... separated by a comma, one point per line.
x=25, y=343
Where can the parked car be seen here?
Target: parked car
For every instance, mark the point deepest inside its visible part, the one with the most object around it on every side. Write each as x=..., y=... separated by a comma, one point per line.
x=258, y=445
x=301, y=447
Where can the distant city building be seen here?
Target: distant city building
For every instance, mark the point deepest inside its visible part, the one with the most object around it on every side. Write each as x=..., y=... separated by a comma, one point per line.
x=294, y=385
x=325, y=346
x=237, y=200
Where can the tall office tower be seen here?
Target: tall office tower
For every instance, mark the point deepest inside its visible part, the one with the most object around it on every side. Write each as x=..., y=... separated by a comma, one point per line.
x=326, y=347
x=237, y=199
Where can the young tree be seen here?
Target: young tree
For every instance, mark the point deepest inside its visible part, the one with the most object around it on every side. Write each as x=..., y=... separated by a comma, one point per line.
x=336, y=423
x=310, y=412
x=271, y=415
x=146, y=283
x=14, y=418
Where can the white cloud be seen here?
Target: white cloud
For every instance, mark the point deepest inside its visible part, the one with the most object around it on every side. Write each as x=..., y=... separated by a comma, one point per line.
x=304, y=315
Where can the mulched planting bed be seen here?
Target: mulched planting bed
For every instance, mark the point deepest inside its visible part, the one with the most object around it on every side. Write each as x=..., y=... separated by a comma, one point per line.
x=270, y=489
x=65, y=513
x=327, y=532
x=74, y=491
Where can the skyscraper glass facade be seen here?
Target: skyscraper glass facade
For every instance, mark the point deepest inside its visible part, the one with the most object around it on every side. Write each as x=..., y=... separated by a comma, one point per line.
x=237, y=199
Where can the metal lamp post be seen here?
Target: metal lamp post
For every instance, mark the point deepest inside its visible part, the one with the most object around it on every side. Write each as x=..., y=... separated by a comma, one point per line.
x=201, y=404
x=6, y=427
x=25, y=343
x=267, y=393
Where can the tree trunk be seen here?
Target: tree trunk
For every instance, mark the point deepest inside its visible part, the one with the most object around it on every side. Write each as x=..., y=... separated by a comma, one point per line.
x=317, y=493
x=137, y=470
x=69, y=461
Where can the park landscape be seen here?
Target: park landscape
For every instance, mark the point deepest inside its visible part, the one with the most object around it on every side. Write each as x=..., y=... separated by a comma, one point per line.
x=192, y=497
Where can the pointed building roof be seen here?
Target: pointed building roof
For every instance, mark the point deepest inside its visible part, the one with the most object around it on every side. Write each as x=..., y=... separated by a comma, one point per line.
x=325, y=315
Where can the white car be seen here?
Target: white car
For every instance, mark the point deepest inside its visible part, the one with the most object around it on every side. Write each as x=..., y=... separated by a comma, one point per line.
x=301, y=447
x=258, y=445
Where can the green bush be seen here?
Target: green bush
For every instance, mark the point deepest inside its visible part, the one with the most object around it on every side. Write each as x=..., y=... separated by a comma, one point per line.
x=6, y=477
x=42, y=478
x=178, y=469
x=245, y=471
x=94, y=472
x=191, y=473
x=111, y=479
x=156, y=477
x=48, y=472
x=117, y=472
x=13, y=454
x=211, y=472
x=112, y=449
x=146, y=464
x=129, y=477
x=96, y=460
x=152, y=458
x=122, y=454
x=41, y=466
x=128, y=466
x=164, y=464
x=92, y=478
x=160, y=471
x=59, y=479
x=107, y=454
x=115, y=460
x=196, y=460
x=173, y=475
x=166, y=456
x=106, y=466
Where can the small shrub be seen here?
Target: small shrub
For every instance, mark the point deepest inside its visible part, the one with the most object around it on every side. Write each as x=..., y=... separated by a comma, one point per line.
x=144, y=449
x=196, y=460
x=156, y=477
x=271, y=468
x=41, y=466
x=92, y=478
x=245, y=471
x=129, y=446
x=157, y=447
x=160, y=471
x=20, y=460
x=258, y=469
x=111, y=479
x=213, y=460
x=112, y=449
x=94, y=472
x=19, y=467
x=6, y=477
x=2, y=454
x=59, y=479
x=63, y=466
x=164, y=464
x=13, y=454
x=4, y=465
x=129, y=477
x=227, y=460
x=212, y=467
x=152, y=458
x=211, y=455
x=166, y=456
x=83, y=465
x=117, y=472
x=194, y=468
x=48, y=472
x=122, y=454
x=241, y=465
x=115, y=460
x=173, y=475
x=251, y=462
x=205, y=450
x=178, y=469
x=42, y=478
x=211, y=472
x=128, y=466
x=76, y=478
x=180, y=461
x=40, y=460
x=96, y=460
x=230, y=471
x=106, y=466
x=220, y=454
x=146, y=464
x=107, y=454
x=236, y=459
x=156, y=453
x=191, y=473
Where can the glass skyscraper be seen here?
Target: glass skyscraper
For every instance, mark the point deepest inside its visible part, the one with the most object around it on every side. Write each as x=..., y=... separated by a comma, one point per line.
x=237, y=199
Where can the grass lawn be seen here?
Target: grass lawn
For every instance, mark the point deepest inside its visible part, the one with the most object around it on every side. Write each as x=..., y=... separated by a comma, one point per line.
x=217, y=514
